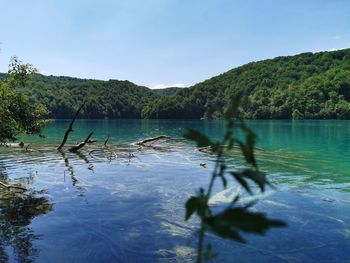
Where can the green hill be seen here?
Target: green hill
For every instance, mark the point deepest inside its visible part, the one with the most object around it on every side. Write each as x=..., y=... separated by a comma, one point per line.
x=308, y=85
x=112, y=99
x=166, y=91
x=103, y=99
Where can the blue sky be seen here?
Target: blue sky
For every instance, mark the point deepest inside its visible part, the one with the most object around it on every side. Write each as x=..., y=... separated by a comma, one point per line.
x=160, y=43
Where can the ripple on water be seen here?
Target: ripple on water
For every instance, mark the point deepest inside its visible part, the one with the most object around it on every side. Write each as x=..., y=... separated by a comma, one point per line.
x=110, y=207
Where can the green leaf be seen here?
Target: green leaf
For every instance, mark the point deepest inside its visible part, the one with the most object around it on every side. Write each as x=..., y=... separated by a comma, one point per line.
x=191, y=207
x=242, y=182
x=230, y=144
x=257, y=177
x=248, y=221
x=247, y=152
x=250, y=135
x=201, y=139
x=195, y=204
x=247, y=148
x=231, y=221
x=232, y=108
x=223, y=230
x=224, y=180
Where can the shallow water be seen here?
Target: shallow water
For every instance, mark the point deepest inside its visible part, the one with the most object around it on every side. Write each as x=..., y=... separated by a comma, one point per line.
x=102, y=207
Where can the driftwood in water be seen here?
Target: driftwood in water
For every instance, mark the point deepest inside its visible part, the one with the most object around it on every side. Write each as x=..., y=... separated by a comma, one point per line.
x=82, y=144
x=152, y=139
x=205, y=149
x=70, y=128
x=12, y=145
x=12, y=186
x=106, y=141
x=103, y=149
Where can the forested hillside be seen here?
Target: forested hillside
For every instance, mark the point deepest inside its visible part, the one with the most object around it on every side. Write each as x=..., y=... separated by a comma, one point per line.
x=166, y=91
x=112, y=99
x=305, y=86
x=309, y=85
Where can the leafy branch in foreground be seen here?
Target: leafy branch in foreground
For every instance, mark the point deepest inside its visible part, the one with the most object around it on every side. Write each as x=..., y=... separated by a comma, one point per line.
x=234, y=218
x=17, y=114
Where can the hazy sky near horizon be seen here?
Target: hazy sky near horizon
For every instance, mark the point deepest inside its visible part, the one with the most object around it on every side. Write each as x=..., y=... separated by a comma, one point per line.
x=160, y=43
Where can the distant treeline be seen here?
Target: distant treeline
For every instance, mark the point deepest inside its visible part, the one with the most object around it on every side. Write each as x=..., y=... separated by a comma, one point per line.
x=305, y=86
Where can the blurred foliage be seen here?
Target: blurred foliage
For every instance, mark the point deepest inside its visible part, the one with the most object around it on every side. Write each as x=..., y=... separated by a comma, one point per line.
x=234, y=218
x=17, y=114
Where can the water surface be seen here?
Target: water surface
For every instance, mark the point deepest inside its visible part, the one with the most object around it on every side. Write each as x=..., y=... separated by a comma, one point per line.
x=107, y=207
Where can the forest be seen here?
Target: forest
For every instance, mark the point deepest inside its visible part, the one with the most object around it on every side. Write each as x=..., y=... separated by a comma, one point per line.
x=304, y=86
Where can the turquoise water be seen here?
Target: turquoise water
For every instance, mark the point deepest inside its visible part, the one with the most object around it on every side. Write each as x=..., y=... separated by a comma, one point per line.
x=109, y=207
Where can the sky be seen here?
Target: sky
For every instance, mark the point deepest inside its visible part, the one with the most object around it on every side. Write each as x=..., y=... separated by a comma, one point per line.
x=161, y=43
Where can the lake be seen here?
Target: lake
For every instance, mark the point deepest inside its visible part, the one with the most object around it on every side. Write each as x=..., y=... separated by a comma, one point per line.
x=127, y=204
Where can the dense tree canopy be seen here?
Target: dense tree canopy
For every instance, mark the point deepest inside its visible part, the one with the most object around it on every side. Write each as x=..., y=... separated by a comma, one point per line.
x=112, y=99
x=305, y=86
x=17, y=114
x=309, y=85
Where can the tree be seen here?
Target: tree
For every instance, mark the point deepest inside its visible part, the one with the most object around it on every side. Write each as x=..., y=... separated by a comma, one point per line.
x=17, y=115
x=20, y=73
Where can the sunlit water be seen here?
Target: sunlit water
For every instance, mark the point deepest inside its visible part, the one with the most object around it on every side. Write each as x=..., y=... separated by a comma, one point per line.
x=111, y=206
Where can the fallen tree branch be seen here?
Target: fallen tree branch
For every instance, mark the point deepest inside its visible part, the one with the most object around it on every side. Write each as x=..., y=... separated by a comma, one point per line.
x=81, y=145
x=105, y=144
x=105, y=151
x=95, y=150
x=152, y=139
x=205, y=149
x=12, y=186
x=70, y=128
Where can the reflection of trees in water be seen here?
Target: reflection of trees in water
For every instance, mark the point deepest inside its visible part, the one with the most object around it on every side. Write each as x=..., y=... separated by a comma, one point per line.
x=70, y=169
x=17, y=209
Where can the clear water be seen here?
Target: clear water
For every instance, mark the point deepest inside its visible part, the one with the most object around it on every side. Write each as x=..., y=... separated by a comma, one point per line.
x=107, y=207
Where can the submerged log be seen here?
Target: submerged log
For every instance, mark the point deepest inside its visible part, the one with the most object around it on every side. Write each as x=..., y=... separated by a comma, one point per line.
x=70, y=128
x=82, y=144
x=12, y=145
x=152, y=139
x=12, y=186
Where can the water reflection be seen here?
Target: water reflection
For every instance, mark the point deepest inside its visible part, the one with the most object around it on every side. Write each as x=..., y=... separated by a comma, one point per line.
x=17, y=210
x=70, y=170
